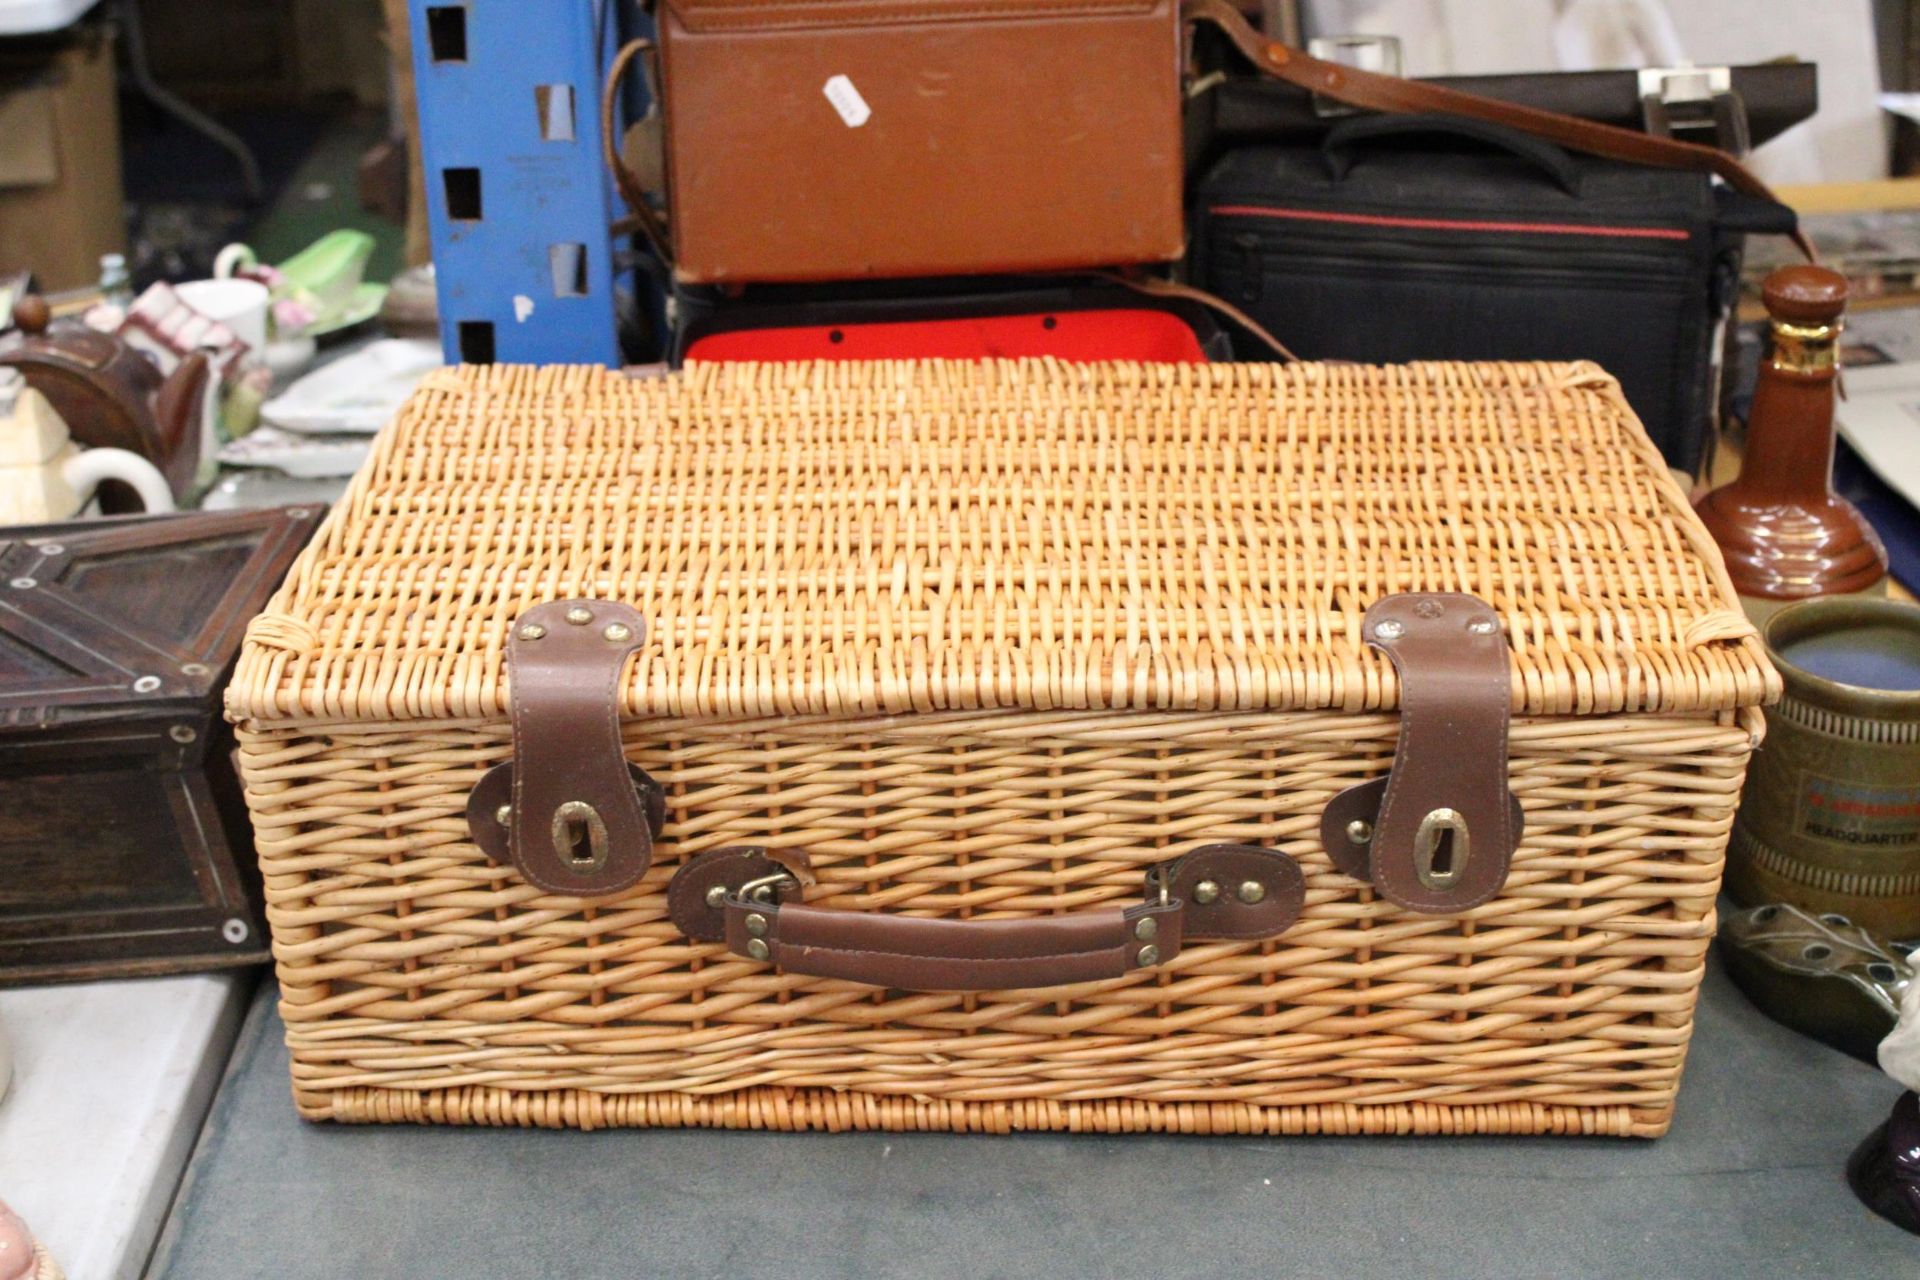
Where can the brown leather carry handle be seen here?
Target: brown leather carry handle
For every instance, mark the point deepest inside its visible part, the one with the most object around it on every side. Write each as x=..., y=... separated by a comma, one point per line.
x=1377, y=92
x=748, y=898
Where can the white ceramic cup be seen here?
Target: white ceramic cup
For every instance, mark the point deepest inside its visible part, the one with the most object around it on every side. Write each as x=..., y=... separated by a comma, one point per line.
x=241, y=305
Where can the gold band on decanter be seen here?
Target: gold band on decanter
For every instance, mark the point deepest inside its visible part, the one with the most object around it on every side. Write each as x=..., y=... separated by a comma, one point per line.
x=1806, y=348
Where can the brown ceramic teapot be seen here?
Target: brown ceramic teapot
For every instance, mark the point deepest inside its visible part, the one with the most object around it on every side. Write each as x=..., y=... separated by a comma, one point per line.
x=111, y=395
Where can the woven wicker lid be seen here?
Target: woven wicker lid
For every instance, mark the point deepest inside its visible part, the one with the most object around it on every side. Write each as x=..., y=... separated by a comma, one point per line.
x=857, y=538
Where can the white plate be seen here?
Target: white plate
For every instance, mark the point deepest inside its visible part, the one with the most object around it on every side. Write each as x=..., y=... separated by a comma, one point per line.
x=357, y=393
x=297, y=454
x=258, y=487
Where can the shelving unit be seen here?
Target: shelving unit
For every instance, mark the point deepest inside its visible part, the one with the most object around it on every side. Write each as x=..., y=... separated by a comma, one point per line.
x=518, y=195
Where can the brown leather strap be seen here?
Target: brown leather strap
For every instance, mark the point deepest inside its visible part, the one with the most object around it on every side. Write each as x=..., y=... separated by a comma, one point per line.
x=580, y=820
x=1216, y=891
x=1376, y=92
x=643, y=218
x=1438, y=834
x=1155, y=287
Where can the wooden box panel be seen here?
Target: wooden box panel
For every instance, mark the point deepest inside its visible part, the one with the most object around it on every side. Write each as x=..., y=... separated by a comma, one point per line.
x=124, y=845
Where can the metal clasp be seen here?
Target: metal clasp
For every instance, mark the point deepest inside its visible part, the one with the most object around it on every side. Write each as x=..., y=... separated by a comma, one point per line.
x=761, y=891
x=1441, y=846
x=1685, y=99
x=1159, y=878
x=580, y=837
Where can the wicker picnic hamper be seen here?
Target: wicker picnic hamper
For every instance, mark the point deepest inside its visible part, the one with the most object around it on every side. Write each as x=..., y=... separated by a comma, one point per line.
x=1016, y=745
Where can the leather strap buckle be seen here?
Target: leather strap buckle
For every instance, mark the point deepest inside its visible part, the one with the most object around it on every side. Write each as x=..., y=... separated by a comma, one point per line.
x=1437, y=834
x=568, y=811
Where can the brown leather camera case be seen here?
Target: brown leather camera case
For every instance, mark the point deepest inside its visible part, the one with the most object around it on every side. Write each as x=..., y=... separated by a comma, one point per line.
x=838, y=139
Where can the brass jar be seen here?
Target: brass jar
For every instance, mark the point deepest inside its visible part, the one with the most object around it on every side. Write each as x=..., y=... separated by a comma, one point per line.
x=1830, y=819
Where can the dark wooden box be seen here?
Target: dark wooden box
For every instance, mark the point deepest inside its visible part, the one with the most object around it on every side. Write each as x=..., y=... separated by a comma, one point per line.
x=124, y=842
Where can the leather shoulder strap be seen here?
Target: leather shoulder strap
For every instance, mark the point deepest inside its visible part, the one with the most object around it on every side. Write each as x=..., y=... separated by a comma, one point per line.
x=1376, y=92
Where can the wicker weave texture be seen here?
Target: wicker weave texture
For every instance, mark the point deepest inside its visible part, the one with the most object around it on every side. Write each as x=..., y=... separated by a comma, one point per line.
x=1118, y=644
x=846, y=538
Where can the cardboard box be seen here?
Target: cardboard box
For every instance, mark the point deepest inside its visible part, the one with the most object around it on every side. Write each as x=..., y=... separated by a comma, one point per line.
x=62, y=204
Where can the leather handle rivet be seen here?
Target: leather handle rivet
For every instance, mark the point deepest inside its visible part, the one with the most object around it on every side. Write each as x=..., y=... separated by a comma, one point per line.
x=504, y=815
x=1360, y=831
x=1206, y=892
x=757, y=926
x=757, y=949
x=532, y=631
x=1252, y=891
x=617, y=633
x=1149, y=954
x=1483, y=626
x=717, y=896
x=1146, y=929
x=579, y=615
x=1388, y=629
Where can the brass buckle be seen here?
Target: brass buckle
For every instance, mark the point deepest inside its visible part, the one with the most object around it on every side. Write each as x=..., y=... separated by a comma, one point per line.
x=1159, y=877
x=760, y=892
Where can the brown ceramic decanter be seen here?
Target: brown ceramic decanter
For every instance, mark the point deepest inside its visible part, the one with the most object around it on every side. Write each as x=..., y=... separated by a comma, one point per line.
x=1785, y=533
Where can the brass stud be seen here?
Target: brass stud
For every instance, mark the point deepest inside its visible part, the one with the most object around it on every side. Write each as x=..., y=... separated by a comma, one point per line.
x=758, y=949
x=617, y=633
x=1149, y=954
x=1206, y=892
x=757, y=926
x=183, y=733
x=1146, y=929
x=504, y=815
x=1252, y=891
x=717, y=896
x=579, y=615
x=1360, y=831
x=532, y=631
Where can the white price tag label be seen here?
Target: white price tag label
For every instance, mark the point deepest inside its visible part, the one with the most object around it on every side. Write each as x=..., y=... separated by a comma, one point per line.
x=847, y=101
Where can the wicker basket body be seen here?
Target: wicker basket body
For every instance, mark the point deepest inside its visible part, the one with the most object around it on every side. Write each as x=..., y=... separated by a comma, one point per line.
x=986, y=640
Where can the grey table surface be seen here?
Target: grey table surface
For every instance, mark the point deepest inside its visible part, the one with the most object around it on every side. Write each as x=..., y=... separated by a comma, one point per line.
x=1748, y=1183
